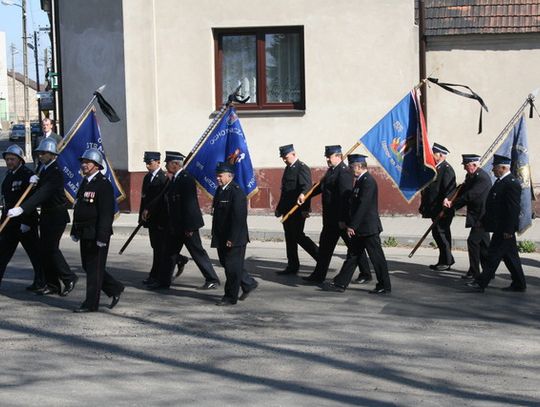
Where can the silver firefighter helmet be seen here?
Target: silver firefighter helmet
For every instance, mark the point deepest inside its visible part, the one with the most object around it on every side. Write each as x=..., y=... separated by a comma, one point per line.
x=93, y=154
x=15, y=150
x=47, y=145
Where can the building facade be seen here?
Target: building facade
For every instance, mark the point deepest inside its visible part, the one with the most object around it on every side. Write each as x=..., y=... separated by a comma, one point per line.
x=317, y=73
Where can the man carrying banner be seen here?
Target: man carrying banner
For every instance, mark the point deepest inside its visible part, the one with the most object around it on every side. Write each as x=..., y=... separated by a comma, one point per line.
x=431, y=205
x=335, y=187
x=363, y=228
x=93, y=216
x=296, y=181
x=25, y=228
x=184, y=219
x=502, y=218
x=54, y=217
x=230, y=235
x=152, y=212
x=473, y=194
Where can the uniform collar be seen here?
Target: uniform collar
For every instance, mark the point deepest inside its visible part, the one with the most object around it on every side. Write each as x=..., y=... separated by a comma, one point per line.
x=46, y=166
x=292, y=165
x=91, y=177
x=16, y=169
x=225, y=186
x=504, y=176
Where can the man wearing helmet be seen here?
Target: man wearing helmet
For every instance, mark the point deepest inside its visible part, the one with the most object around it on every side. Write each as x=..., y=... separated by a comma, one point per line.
x=50, y=196
x=93, y=216
x=24, y=228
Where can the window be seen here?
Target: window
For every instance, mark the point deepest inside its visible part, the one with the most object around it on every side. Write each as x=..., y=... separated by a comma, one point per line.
x=267, y=62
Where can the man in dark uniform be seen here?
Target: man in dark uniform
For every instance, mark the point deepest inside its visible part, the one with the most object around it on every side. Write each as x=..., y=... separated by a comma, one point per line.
x=153, y=213
x=363, y=228
x=336, y=187
x=296, y=181
x=49, y=194
x=502, y=218
x=93, y=216
x=473, y=193
x=230, y=235
x=433, y=196
x=25, y=228
x=184, y=219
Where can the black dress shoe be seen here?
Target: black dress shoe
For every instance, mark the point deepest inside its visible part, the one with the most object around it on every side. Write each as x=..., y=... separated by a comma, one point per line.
x=287, y=271
x=224, y=302
x=157, y=286
x=475, y=287
x=442, y=267
x=379, y=291
x=515, y=289
x=209, y=285
x=312, y=280
x=433, y=266
x=83, y=310
x=333, y=287
x=68, y=288
x=361, y=280
x=48, y=291
x=467, y=276
x=148, y=281
x=115, y=300
x=245, y=294
x=181, y=264
x=34, y=287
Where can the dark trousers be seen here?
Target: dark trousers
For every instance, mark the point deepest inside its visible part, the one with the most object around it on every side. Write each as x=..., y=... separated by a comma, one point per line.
x=157, y=242
x=477, y=246
x=173, y=246
x=507, y=251
x=443, y=237
x=93, y=260
x=357, y=246
x=9, y=239
x=294, y=236
x=55, y=267
x=232, y=260
x=327, y=244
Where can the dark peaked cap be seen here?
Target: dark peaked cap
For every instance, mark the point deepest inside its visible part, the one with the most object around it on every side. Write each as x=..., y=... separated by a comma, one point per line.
x=284, y=150
x=150, y=156
x=174, y=156
x=439, y=148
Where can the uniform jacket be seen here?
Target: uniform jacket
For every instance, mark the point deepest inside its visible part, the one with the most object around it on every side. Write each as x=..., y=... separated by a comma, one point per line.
x=49, y=194
x=364, y=211
x=442, y=187
x=13, y=187
x=473, y=193
x=153, y=199
x=335, y=187
x=296, y=180
x=184, y=213
x=229, y=221
x=93, y=213
x=503, y=206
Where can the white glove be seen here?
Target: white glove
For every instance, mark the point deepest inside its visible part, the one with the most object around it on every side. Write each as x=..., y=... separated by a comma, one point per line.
x=24, y=228
x=74, y=238
x=34, y=179
x=14, y=212
x=101, y=244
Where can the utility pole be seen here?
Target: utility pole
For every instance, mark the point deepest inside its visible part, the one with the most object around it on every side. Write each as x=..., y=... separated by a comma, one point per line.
x=27, y=141
x=14, y=82
x=37, y=73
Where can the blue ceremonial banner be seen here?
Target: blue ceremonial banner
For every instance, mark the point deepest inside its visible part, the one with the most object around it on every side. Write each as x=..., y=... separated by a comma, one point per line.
x=516, y=146
x=400, y=144
x=226, y=142
x=85, y=136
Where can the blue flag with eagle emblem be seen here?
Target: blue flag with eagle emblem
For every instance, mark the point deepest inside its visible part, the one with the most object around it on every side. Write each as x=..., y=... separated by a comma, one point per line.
x=226, y=142
x=400, y=144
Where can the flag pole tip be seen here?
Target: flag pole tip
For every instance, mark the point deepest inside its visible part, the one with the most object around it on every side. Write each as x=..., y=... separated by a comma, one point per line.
x=101, y=88
x=534, y=93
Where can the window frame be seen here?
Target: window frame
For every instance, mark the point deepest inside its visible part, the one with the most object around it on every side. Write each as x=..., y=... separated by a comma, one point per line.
x=259, y=32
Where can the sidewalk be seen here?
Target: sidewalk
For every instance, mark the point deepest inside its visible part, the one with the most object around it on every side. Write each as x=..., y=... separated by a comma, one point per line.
x=405, y=229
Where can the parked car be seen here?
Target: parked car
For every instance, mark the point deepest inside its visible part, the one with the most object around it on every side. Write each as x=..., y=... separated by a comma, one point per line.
x=17, y=132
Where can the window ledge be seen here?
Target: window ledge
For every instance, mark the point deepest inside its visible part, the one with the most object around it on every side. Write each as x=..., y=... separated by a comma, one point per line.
x=266, y=113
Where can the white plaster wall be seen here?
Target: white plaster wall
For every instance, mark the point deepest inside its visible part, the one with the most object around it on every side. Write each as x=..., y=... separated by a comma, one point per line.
x=501, y=69
x=360, y=59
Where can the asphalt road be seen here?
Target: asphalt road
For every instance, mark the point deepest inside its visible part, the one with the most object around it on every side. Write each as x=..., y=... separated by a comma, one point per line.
x=428, y=343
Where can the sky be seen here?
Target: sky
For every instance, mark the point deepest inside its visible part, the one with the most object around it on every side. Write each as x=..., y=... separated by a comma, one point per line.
x=11, y=24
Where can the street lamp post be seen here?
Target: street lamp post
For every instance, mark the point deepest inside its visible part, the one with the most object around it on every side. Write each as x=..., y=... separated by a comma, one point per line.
x=27, y=141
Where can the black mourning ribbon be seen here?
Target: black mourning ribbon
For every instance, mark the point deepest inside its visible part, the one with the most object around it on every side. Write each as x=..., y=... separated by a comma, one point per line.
x=106, y=108
x=450, y=87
